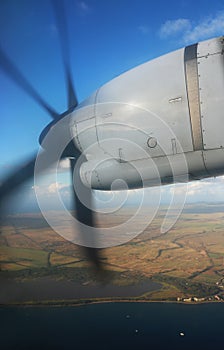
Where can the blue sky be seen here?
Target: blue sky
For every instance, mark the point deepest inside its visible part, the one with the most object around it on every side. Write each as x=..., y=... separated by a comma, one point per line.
x=106, y=38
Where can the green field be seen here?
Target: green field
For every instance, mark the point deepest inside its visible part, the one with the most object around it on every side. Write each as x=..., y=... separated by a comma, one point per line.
x=188, y=260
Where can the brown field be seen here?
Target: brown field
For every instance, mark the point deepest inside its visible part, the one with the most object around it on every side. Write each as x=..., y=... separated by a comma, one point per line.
x=188, y=260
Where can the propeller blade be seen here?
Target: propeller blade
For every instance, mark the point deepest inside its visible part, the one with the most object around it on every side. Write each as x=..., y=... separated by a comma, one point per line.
x=72, y=99
x=63, y=36
x=84, y=214
x=24, y=173
x=13, y=72
x=17, y=178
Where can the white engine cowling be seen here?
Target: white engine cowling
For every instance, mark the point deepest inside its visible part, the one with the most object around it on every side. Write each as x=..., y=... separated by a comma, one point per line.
x=158, y=122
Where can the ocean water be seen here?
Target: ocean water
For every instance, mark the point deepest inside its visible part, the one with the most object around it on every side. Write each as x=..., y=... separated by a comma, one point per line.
x=114, y=326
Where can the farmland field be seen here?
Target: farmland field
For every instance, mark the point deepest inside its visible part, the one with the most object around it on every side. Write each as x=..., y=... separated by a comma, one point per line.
x=186, y=261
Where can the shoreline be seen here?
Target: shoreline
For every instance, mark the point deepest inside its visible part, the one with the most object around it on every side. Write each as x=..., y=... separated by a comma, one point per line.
x=85, y=302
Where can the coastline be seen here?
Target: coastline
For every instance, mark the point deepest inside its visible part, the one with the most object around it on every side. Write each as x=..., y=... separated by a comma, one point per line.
x=83, y=302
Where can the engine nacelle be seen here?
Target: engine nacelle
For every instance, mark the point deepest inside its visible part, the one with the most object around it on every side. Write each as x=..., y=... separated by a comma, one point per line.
x=157, y=123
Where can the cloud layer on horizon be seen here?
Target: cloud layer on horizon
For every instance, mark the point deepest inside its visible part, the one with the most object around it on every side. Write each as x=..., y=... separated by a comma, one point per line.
x=187, y=31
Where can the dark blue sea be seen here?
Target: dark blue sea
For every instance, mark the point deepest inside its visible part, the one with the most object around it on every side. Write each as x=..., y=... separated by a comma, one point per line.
x=114, y=326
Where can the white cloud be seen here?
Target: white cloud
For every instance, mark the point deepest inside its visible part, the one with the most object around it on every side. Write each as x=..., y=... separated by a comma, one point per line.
x=174, y=27
x=55, y=187
x=189, y=31
x=209, y=27
x=64, y=163
x=207, y=190
x=51, y=189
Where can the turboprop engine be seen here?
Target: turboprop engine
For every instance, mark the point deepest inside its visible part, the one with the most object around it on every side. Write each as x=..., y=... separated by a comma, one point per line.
x=158, y=123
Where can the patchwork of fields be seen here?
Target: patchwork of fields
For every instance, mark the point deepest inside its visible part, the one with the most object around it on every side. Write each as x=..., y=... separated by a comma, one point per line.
x=188, y=260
